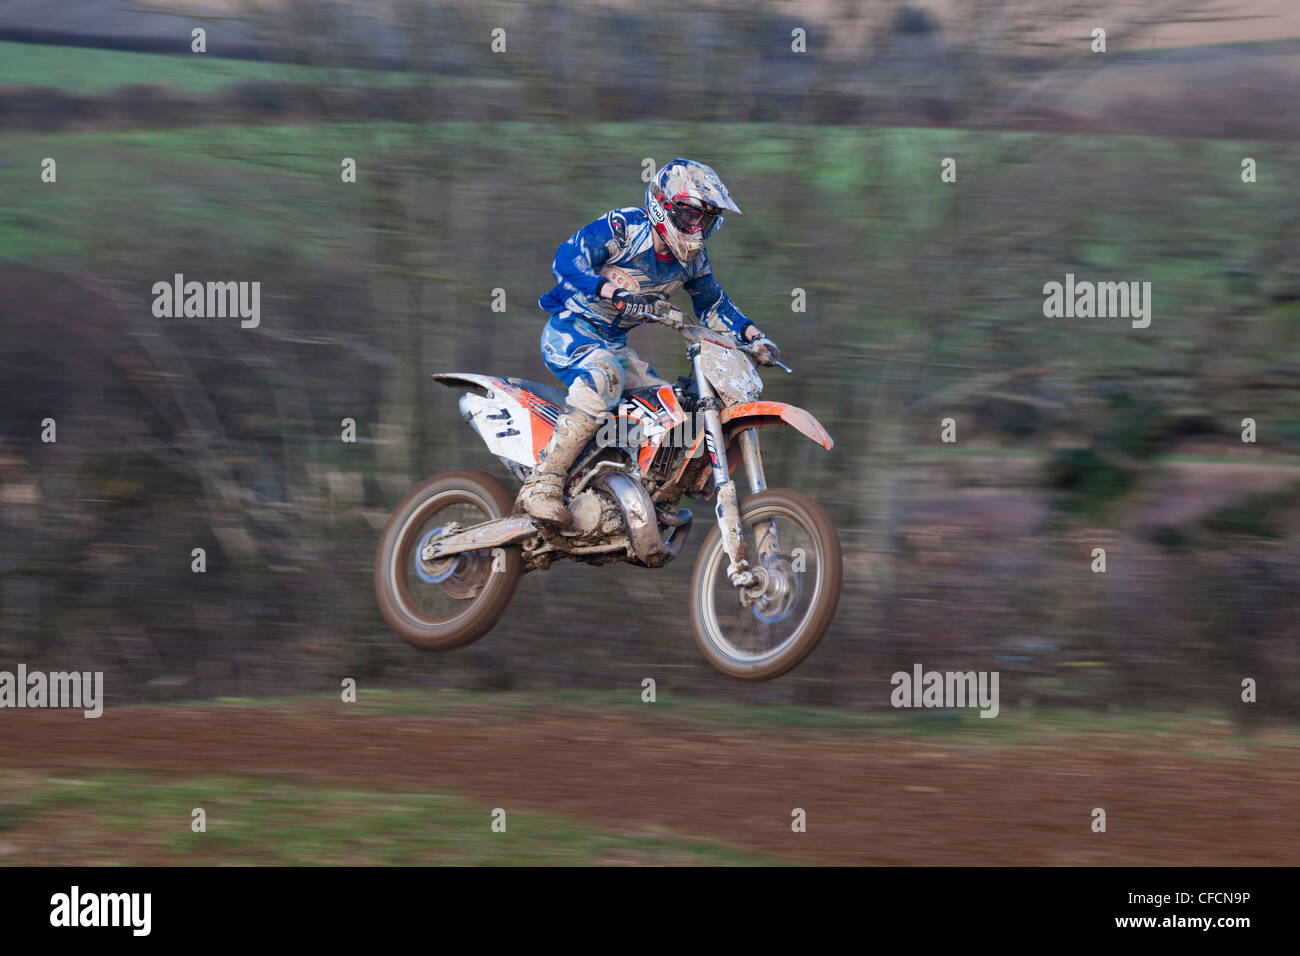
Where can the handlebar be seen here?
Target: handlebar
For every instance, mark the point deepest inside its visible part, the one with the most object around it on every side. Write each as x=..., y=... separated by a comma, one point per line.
x=661, y=313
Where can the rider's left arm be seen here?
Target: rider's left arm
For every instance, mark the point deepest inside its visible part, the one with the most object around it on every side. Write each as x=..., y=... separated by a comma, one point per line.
x=714, y=308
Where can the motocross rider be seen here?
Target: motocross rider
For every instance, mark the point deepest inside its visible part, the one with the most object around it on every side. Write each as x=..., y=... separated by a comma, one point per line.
x=603, y=271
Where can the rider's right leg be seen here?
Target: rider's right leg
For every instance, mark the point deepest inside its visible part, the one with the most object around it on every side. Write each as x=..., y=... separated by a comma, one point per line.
x=594, y=389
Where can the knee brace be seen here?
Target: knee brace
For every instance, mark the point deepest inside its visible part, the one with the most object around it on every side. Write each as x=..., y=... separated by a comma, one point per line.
x=597, y=389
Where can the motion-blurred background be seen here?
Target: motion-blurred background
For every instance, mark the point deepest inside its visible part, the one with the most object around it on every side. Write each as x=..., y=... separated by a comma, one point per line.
x=923, y=302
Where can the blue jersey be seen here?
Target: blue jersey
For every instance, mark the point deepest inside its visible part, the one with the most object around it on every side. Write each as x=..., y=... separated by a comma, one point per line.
x=619, y=247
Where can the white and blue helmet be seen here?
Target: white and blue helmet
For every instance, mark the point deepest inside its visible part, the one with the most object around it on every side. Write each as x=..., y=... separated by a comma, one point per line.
x=685, y=202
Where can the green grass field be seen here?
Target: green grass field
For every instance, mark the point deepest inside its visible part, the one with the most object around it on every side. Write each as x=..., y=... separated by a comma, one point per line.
x=211, y=171
x=89, y=71
x=1015, y=726
x=110, y=819
x=870, y=204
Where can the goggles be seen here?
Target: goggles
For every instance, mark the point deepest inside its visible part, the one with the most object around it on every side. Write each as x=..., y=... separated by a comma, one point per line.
x=694, y=219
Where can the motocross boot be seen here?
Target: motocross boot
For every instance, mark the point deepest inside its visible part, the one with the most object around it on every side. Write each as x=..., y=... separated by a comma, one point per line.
x=542, y=495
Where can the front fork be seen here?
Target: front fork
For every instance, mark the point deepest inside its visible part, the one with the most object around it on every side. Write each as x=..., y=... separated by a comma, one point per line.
x=754, y=581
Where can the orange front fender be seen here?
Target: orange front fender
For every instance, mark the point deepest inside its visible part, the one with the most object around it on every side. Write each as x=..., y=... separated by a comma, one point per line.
x=763, y=414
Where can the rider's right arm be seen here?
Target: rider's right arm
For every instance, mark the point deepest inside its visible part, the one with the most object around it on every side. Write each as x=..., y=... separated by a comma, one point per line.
x=579, y=256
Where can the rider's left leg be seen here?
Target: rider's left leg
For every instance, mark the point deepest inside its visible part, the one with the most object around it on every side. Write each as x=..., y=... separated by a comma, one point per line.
x=593, y=392
x=542, y=495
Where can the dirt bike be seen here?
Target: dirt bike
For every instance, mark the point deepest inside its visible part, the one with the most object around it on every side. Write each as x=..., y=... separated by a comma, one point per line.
x=453, y=552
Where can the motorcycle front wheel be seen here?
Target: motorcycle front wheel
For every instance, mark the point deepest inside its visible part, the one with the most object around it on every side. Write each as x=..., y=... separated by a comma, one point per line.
x=447, y=603
x=761, y=637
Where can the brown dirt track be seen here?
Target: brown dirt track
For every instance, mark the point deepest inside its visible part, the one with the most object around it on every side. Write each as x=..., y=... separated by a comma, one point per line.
x=869, y=801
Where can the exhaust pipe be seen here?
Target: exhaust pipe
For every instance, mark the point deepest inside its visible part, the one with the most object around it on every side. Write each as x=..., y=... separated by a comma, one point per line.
x=642, y=520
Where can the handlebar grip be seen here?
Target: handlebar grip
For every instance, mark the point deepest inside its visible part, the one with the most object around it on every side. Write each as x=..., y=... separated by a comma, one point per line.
x=761, y=358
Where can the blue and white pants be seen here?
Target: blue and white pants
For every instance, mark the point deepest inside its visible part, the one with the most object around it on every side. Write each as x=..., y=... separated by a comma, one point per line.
x=595, y=367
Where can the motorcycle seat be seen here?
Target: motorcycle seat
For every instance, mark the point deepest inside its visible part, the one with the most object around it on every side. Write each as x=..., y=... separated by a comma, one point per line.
x=556, y=396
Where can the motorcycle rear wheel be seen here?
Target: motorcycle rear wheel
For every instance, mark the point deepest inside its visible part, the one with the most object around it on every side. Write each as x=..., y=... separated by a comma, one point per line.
x=455, y=601
x=768, y=637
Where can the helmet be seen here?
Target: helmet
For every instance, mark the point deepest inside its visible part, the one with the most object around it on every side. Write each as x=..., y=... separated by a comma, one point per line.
x=685, y=202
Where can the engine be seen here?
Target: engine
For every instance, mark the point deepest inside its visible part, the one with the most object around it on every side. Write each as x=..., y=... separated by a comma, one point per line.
x=595, y=516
